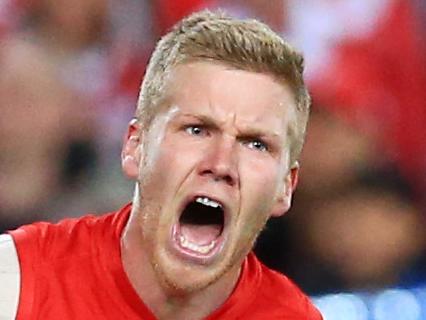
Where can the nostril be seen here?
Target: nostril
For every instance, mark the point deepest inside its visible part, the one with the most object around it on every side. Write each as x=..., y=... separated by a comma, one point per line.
x=207, y=173
x=227, y=178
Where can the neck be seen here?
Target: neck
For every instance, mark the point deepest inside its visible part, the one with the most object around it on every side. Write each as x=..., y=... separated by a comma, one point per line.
x=164, y=302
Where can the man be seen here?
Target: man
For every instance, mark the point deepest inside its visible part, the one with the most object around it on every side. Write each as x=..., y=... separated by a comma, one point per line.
x=213, y=149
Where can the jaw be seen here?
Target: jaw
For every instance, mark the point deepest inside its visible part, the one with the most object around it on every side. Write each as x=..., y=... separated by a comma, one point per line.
x=180, y=266
x=182, y=269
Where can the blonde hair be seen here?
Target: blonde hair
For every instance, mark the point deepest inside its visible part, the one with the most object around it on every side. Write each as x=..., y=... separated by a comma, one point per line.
x=244, y=44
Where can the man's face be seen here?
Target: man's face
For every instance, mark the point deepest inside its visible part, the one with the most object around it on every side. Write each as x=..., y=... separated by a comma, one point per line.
x=213, y=168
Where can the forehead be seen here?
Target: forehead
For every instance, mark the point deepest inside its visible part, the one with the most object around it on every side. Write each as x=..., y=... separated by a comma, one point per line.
x=225, y=93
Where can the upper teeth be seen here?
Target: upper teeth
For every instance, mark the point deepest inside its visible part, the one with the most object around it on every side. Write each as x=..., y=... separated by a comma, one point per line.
x=208, y=202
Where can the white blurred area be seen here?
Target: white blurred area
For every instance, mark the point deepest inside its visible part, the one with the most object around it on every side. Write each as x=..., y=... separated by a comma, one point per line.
x=69, y=80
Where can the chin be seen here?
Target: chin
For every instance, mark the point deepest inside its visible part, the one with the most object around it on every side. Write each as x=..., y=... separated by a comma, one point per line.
x=185, y=277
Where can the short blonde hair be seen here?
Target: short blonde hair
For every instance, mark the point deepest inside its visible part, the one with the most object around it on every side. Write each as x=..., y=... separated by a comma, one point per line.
x=244, y=44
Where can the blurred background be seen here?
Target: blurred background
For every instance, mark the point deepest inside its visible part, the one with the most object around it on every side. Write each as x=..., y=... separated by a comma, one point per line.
x=70, y=72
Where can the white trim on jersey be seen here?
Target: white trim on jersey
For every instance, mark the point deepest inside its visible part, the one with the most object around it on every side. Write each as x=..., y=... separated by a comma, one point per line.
x=10, y=278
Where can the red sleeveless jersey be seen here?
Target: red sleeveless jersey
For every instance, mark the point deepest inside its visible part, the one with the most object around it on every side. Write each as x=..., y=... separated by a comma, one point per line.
x=73, y=270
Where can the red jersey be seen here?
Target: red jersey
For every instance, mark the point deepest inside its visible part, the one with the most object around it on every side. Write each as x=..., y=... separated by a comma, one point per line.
x=73, y=270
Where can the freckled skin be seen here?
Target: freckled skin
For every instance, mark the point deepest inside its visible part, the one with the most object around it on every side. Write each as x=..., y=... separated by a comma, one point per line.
x=208, y=141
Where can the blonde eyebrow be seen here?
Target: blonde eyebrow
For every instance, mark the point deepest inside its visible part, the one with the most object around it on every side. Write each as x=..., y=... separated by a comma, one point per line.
x=207, y=120
x=255, y=132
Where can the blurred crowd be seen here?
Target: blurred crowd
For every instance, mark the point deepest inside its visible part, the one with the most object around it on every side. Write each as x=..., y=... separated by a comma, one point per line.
x=70, y=72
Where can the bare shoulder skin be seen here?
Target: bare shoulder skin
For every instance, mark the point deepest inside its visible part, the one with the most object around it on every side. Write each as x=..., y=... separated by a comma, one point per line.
x=9, y=278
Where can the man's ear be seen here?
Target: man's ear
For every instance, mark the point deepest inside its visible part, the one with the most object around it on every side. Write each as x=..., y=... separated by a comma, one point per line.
x=131, y=152
x=283, y=201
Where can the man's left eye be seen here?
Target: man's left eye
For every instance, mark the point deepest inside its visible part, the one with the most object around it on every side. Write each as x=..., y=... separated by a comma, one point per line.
x=257, y=145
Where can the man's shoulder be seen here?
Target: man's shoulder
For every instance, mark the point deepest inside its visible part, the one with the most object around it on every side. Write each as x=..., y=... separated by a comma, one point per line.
x=38, y=257
x=44, y=233
x=284, y=294
x=46, y=241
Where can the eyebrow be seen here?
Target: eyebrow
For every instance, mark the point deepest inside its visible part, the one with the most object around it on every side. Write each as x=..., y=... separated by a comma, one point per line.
x=255, y=132
x=203, y=118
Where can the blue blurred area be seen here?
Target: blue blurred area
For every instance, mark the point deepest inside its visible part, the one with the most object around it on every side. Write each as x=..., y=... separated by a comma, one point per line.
x=393, y=303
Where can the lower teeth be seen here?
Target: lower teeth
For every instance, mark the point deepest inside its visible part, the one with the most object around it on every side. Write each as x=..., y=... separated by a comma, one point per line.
x=195, y=247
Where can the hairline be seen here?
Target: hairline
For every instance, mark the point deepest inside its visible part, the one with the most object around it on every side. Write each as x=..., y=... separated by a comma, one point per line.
x=177, y=43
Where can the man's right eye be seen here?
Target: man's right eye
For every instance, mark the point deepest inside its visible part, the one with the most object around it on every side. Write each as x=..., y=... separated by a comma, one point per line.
x=195, y=130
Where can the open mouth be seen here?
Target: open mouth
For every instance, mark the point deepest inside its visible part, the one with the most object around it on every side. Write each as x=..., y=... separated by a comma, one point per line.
x=200, y=226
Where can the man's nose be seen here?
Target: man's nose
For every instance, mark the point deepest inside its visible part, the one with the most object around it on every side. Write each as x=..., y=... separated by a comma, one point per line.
x=220, y=161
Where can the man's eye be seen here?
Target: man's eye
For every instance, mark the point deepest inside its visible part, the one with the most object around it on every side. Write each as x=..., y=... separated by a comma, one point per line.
x=194, y=130
x=257, y=145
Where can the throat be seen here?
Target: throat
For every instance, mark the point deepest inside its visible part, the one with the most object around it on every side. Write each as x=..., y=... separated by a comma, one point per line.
x=200, y=303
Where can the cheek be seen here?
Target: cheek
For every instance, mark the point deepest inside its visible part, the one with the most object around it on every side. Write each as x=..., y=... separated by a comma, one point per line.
x=168, y=165
x=261, y=178
x=177, y=156
x=259, y=187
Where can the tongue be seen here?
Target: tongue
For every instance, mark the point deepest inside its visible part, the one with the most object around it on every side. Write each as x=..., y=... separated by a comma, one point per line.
x=200, y=235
